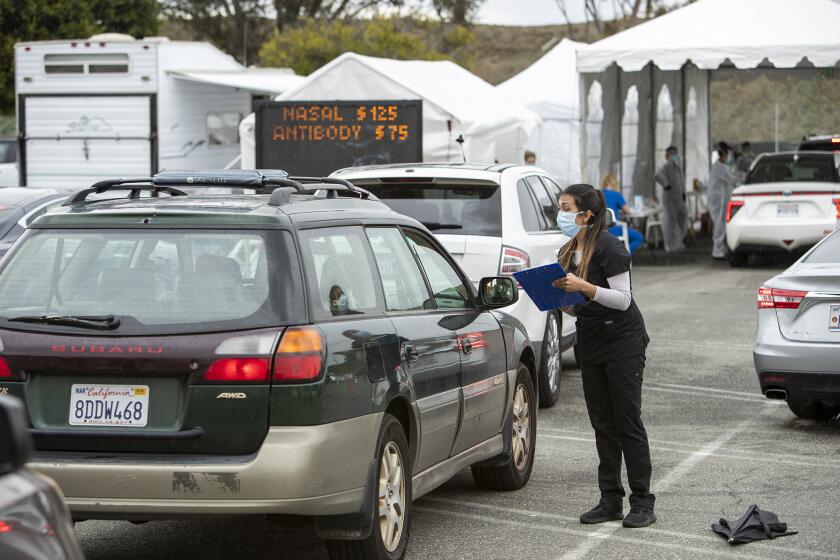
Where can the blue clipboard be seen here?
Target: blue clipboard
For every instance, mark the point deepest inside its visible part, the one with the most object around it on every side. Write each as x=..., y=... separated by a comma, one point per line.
x=537, y=284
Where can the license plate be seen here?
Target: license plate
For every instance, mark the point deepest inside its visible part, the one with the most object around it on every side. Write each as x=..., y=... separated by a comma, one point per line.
x=834, y=318
x=109, y=405
x=787, y=210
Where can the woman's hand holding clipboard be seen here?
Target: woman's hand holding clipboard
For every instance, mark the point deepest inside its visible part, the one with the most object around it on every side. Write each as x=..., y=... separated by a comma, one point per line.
x=539, y=284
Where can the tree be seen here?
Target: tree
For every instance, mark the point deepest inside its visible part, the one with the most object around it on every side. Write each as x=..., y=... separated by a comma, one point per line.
x=307, y=47
x=289, y=12
x=33, y=20
x=238, y=27
x=459, y=12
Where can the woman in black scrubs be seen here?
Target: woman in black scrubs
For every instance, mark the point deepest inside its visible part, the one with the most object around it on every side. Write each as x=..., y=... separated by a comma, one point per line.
x=611, y=342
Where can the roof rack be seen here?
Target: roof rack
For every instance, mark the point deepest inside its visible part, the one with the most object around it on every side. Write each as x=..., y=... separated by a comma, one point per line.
x=276, y=182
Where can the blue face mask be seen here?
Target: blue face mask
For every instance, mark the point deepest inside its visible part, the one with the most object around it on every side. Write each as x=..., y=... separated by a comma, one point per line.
x=566, y=223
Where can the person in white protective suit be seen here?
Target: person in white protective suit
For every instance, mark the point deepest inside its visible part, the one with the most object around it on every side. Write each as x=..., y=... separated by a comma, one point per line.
x=721, y=183
x=674, y=211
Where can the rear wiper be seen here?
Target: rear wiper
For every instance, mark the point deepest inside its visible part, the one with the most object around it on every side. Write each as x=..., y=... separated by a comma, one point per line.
x=436, y=225
x=99, y=322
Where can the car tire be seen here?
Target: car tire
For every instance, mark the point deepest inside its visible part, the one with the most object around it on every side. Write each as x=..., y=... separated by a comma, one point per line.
x=738, y=260
x=808, y=410
x=515, y=474
x=388, y=537
x=551, y=360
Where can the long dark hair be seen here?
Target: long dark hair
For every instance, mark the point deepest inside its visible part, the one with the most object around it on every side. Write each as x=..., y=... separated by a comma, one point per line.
x=586, y=198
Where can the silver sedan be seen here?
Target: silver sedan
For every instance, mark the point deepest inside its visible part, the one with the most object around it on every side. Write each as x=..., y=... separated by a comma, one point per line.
x=797, y=345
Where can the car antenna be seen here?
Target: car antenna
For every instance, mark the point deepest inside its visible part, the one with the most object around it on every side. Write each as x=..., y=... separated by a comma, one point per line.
x=460, y=141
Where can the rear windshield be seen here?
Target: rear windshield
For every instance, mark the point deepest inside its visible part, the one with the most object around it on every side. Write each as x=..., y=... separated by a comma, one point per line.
x=153, y=281
x=457, y=209
x=824, y=145
x=827, y=252
x=795, y=167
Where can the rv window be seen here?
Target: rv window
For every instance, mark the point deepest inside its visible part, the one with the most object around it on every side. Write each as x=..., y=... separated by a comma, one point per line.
x=99, y=63
x=223, y=128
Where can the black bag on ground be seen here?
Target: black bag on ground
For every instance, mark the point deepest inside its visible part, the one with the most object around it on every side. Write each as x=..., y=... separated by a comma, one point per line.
x=755, y=525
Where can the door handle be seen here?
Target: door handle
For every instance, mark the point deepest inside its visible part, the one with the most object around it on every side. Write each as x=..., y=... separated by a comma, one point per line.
x=466, y=345
x=411, y=353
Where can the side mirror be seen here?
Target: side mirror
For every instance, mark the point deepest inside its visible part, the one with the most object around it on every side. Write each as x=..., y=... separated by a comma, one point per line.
x=610, y=217
x=497, y=291
x=15, y=442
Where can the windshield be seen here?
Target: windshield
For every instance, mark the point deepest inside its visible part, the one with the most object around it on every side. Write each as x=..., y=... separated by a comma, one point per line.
x=8, y=151
x=152, y=281
x=458, y=209
x=795, y=167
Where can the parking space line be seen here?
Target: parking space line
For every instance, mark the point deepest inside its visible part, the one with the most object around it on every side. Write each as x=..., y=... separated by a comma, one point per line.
x=744, y=455
x=655, y=531
x=593, y=537
x=670, y=478
x=762, y=400
x=709, y=389
x=726, y=453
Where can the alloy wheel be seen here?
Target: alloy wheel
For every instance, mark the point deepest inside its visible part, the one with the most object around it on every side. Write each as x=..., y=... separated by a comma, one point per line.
x=554, y=354
x=391, y=496
x=521, y=428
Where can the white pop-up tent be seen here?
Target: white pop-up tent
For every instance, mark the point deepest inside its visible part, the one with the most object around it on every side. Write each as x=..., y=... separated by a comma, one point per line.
x=455, y=102
x=648, y=87
x=550, y=88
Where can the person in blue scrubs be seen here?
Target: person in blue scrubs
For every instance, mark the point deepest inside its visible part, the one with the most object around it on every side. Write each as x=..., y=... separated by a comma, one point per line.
x=614, y=200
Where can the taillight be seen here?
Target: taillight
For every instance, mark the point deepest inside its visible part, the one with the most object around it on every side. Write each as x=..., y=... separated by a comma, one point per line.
x=772, y=298
x=6, y=373
x=836, y=202
x=238, y=370
x=300, y=356
x=513, y=260
x=732, y=209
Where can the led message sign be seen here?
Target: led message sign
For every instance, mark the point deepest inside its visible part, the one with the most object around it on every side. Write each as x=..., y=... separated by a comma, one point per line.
x=316, y=138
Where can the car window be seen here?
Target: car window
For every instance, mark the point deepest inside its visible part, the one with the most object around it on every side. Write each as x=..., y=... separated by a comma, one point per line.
x=448, y=289
x=402, y=282
x=807, y=167
x=150, y=279
x=342, y=274
x=546, y=204
x=457, y=208
x=530, y=219
x=827, y=252
x=554, y=190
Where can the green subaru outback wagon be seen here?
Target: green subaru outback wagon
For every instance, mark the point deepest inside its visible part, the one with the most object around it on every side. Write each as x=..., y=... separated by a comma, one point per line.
x=299, y=351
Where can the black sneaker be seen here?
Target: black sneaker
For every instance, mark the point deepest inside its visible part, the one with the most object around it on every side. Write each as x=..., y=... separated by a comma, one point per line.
x=608, y=509
x=639, y=516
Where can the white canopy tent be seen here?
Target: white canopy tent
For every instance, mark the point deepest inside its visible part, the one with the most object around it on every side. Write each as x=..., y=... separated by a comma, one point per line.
x=549, y=87
x=258, y=80
x=648, y=87
x=455, y=102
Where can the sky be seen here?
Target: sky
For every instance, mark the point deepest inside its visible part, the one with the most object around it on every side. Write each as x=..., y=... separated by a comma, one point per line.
x=537, y=12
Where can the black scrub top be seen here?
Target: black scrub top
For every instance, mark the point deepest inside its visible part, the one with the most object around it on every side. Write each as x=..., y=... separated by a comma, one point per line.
x=604, y=334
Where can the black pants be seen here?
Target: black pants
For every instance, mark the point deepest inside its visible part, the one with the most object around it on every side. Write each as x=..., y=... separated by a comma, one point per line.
x=613, y=392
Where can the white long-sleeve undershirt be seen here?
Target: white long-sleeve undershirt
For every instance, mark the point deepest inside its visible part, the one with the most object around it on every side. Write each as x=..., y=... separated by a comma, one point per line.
x=618, y=295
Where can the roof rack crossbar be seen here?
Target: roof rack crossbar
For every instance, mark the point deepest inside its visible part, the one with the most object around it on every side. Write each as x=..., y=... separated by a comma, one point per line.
x=133, y=188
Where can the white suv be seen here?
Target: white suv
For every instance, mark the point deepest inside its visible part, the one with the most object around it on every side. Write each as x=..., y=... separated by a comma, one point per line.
x=493, y=219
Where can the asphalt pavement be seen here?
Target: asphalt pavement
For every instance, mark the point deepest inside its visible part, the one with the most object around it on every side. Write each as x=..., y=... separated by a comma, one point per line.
x=717, y=446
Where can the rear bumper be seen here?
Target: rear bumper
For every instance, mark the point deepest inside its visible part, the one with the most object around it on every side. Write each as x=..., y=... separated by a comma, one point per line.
x=299, y=470
x=769, y=237
x=806, y=370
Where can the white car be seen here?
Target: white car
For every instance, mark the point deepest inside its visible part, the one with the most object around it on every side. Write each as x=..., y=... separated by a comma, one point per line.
x=493, y=219
x=789, y=202
x=8, y=162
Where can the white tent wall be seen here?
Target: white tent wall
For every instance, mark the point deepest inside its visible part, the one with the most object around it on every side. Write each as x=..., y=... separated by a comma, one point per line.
x=455, y=102
x=679, y=51
x=549, y=87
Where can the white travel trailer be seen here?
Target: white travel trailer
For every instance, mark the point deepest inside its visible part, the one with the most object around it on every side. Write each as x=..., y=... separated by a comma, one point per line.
x=113, y=106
